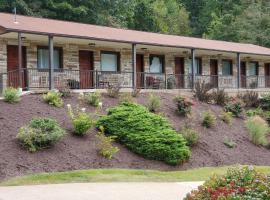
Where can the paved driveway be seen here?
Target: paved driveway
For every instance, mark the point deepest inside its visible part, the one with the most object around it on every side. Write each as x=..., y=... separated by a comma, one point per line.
x=100, y=191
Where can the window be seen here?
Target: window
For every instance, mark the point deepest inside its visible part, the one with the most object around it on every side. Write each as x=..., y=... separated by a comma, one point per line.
x=156, y=64
x=253, y=69
x=110, y=61
x=43, y=58
x=227, y=68
x=198, y=67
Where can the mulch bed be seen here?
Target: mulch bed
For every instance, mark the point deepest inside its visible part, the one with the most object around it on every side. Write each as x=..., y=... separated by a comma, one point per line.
x=74, y=153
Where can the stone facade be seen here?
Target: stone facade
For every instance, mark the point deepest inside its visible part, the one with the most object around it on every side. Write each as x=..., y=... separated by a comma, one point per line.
x=71, y=62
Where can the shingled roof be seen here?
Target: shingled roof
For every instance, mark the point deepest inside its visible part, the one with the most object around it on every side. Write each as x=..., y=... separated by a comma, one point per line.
x=26, y=24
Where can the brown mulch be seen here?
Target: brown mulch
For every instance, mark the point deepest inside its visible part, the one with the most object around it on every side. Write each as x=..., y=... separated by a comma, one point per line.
x=73, y=153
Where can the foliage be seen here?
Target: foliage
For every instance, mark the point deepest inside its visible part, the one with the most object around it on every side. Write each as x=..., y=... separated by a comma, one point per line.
x=154, y=103
x=11, y=95
x=254, y=112
x=201, y=91
x=237, y=183
x=258, y=130
x=105, y=147
x=113, y=91
x=265, y=102
x=92, y=98
x=40, y=133
x=229, y=143
x=81, y=121
x=64, y=90
x=209, y=119
x=135, y=92
x=183, y=105
x=250, y=98
x=190, y=135
x=145, y=133
x=235, y=107
x=126, y=97
x=220, y=97
x=227, y=117
x=266, y=116
x=53, y=98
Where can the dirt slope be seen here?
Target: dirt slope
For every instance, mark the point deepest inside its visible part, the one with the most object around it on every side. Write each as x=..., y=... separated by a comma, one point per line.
x=80, y=153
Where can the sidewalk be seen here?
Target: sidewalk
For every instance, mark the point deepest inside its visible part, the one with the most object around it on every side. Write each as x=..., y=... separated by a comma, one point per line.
x=100, y=191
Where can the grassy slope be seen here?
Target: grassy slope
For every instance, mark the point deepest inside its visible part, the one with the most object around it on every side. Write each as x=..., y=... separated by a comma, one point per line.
x=120, y=175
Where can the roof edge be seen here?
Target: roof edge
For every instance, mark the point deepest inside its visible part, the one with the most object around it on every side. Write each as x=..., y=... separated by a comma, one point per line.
x=122, y=41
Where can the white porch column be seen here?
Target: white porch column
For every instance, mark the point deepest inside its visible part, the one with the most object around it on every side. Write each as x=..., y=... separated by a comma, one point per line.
x=51, y=63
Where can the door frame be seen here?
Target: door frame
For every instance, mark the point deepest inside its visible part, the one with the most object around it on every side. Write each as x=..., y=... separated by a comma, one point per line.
x=214, y=77
x=267, y=75
x=24, y=65
x=140, y=78
x=243, y=75
x=91, y=74
x=180, y=80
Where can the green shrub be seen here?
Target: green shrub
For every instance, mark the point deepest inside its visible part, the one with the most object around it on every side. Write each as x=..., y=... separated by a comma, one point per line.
x=153, y=103
x=227, y=117
x=250, y=98
x=209, y=119
x=265, y=102
x=113, y=91
x=183, y=105
x=266, y=116
x=81, y=121
x=145, y=133
x=92, y=98
x=229, y=143
x=201, y=91
x=40, y=133
x=53, y=98
x=11, y=95
x=126, y=97
x=220, y=97
x=254, y=112
x=190, y=135
x=105, y=147
x=234, y=107
x=258, y=130
x=240, y=183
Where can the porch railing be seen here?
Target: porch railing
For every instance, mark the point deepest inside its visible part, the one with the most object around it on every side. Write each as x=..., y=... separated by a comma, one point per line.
x=33, y=78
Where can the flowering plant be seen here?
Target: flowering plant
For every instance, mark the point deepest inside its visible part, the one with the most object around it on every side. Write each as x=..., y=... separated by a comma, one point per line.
x=81, y=121
x=237, y=184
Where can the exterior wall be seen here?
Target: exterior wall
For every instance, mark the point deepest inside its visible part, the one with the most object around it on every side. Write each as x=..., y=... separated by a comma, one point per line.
x=71, y=62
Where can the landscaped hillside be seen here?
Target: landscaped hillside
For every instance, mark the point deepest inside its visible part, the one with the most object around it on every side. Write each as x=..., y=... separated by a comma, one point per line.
x=80, y=152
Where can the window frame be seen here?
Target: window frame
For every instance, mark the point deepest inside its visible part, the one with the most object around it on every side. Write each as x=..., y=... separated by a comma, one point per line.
x=200, y=66
x=257, y=67
x=162, y=57
x=231, y=67
x=60, y=49
x=118, y=57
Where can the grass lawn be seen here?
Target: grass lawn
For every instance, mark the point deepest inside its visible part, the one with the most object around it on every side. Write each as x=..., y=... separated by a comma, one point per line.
x=120, y=175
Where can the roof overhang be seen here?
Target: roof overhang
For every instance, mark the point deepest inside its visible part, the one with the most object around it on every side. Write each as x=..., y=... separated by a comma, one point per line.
x=3, y=30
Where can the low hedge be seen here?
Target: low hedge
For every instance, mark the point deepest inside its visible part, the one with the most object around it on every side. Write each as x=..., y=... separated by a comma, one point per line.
x=145, y=133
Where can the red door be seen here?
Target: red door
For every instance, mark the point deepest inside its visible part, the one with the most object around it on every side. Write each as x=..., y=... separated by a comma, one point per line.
x=13, y=67
x=180, y=72
x=140, y=70
x=86, y=69
x=267, y=74
x=214, y=73
x=243, y=73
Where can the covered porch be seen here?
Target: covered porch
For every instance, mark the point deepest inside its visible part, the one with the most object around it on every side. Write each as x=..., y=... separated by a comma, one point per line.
x=38, y=61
